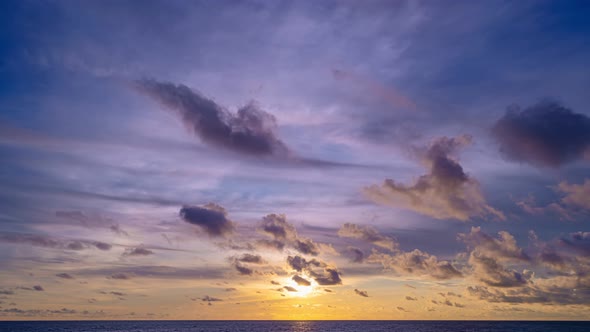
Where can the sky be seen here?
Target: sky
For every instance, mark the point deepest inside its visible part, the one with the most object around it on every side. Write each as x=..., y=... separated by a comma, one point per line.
x=294, y=160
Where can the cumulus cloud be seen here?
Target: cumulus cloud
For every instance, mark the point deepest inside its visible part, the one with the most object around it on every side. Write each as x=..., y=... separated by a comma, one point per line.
x=249, y=131
x=417, y=263
x=576, y=195
x=545, y=134
x=361, y=292
x=211, y=218
x=488, y=255
x=367, y=233
x=446, y=192
x=574, y=200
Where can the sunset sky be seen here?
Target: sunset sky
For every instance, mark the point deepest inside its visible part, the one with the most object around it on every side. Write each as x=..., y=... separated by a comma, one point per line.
x=294, y=159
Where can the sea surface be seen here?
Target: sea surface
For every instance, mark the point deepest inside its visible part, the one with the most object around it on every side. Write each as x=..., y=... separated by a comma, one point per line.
x=295, y=326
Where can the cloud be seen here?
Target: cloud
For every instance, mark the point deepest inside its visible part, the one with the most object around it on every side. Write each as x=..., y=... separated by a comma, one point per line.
x=290, y=289
x=446, y=192
x=45, y=241
x=211, y=218
x=301, y=281
x=138, y=252
x=252, y=259
x=208, y=298
x=503, y=247
x=488, y=254
x=243, y=270
x=306, y=246
x=575, y=200
x=321, y=272
x=409, y=298
x=357, y=255
x=415, y=262
x=276, y=226
x=546, y=134
x=121, y=276
x=576, y=195
x=65, y=276
x=38, y=288
x=367, y=233
x=249, y=131
x=361, y=293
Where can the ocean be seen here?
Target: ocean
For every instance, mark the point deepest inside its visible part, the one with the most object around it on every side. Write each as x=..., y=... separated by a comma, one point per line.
x=294, y=326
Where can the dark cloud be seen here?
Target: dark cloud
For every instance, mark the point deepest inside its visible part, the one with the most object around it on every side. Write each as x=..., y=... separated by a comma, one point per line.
x=211, y=218
x=65, y=276
x=250, y=258
x=329, y=277
x=301, y=281
x=321, y=272
x=249, y=131
x=243, y=270
x=545, y=134
x=38, y=288
x=138, y=252
x=290, y=289
x=356, y=255
x=275, y=282
x=446, y=192
x=231, y=289
x=117, y=293
x=367, y=233
x=299, y=263
x=409, y=298
x=361, y=293
x=276, y=226
x=208, y=298
x=306, y=246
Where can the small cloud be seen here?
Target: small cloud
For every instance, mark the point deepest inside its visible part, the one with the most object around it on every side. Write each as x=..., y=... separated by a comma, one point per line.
x=138, y=252
x=361, y=293
x=65, y=276
x=290, y=289
x=409, y=298
x=38, y=288
x=208, y=298
x=211, y=218
x=301, y=281
x=120, y=276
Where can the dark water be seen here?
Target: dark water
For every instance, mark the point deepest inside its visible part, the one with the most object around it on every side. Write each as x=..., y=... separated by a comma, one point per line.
x=295, y=326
